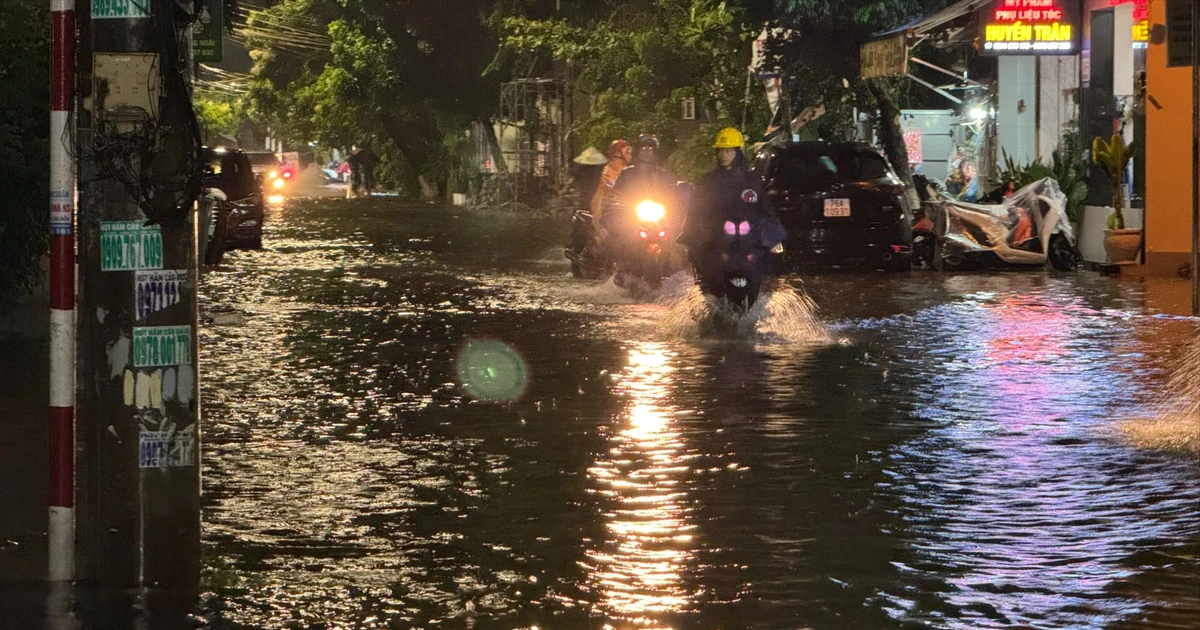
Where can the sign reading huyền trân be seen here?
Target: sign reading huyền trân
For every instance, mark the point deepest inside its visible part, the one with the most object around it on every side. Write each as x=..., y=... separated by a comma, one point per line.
x=162, y=345
x=128, y=245
x=1030, y=27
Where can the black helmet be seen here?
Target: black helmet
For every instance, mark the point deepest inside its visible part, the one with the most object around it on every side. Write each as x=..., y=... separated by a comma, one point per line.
x=647, y=141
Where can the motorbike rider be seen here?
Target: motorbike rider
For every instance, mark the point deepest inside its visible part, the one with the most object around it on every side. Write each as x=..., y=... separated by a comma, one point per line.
x=620, y=156
x=646, y=179
x=730, y=192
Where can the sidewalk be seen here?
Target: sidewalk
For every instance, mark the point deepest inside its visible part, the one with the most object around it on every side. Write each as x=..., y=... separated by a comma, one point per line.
x=24, y=421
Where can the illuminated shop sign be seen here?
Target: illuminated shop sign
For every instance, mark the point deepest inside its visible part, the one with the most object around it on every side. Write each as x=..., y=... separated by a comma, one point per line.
x=1030, y=27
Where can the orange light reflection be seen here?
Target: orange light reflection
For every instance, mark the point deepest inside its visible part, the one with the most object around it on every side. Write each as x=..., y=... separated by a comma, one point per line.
x=639, y=571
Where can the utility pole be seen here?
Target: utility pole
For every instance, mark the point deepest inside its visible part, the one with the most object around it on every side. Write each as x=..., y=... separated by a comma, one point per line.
x=61, y=528
x=138, y=150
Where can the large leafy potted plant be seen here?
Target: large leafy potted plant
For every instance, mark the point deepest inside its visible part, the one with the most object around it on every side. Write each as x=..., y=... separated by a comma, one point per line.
x=1120, y=244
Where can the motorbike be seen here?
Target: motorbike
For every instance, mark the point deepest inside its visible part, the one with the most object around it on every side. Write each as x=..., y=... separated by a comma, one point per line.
x=639, y=248
x=587, y=256
x=733, y=269
x=648, y=258
x=1026, y=229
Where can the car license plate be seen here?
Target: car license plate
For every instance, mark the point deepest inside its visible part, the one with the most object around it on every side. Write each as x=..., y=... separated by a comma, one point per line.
x=837, y=207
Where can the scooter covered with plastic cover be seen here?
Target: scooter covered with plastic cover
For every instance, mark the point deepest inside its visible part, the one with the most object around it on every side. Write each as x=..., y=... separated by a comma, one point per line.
x=1026, y=230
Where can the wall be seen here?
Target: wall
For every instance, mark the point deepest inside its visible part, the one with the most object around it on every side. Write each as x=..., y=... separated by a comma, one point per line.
x=1057, y=100
x=1168, y=165
x=1016, y=109
x=936, y=143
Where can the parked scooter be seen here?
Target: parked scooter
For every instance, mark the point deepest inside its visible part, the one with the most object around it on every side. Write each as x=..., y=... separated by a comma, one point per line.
x=1027, y=229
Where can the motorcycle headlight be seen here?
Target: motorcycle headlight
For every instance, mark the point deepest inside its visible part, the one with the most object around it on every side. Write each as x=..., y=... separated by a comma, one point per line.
x=273, y=175
x=650, y=211
x=278, y=184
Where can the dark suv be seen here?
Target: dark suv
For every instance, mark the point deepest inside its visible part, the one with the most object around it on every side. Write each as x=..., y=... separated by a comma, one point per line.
x=230, y=171
x=841, y=204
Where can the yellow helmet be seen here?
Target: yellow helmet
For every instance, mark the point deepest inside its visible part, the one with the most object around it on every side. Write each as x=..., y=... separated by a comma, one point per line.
x=729, y=138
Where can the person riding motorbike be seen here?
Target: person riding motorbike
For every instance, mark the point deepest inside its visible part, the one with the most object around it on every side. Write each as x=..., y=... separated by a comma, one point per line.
x=620, y=155
x=646, y=179
x=730, y=192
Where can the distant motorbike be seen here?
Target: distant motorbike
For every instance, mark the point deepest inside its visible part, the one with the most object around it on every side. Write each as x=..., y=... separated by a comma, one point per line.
x=735, y=265
x=1027, y=229
x=647, y=258
x=587, y=255
x=640, y=248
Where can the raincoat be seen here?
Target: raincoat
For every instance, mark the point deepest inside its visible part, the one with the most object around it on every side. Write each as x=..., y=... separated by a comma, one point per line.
x=729, y=194
x=608, y=179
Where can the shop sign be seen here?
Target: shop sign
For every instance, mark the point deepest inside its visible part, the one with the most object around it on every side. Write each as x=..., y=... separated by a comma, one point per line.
x=208, y=33
x=912, y=144
x=886, y=57
x=1179, y=33
x=1030, y=27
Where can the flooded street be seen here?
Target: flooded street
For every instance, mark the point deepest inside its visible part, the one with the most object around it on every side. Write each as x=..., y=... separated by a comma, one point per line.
x=942, y=452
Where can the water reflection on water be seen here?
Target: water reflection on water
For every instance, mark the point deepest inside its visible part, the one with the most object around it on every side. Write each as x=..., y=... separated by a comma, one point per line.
x=639, y=571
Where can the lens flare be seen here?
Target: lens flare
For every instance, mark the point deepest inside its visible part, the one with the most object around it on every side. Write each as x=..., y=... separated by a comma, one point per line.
x=491, y=370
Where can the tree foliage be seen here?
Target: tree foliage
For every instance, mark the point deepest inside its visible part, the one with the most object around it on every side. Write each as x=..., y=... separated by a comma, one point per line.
x=638, y=60
x=820, y=59
x=24, y=146
x=401, y=75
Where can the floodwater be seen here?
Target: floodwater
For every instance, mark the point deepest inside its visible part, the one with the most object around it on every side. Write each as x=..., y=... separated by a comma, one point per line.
x=940, y=451
x=926, y=450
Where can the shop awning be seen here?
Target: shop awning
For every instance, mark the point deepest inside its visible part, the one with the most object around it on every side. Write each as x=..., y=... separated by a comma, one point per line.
x=931, y=23
x=887, y=54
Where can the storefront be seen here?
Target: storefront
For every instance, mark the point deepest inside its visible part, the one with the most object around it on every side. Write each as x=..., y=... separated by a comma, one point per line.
x=1017, y=82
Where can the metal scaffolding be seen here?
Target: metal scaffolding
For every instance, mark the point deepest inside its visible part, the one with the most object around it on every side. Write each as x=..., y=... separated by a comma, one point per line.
x=535, y=120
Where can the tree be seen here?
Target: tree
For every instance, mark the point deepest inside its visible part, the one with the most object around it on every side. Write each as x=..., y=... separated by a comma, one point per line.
x=824, y=69
x=404, y=74
x=638, y=60
x=24, y=147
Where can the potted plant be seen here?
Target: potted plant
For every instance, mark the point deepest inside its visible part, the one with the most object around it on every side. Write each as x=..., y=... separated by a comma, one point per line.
x=1120, y=244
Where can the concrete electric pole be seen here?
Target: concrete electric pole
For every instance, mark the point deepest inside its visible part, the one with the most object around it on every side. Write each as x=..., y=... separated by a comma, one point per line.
x=139, y=174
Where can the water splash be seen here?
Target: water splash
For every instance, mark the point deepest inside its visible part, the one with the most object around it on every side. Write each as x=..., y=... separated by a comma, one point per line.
x=606, y=292
x=782, y=314
x=1176, y=423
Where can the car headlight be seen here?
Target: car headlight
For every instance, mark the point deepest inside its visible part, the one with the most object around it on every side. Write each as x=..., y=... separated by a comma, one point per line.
x=273, y=175
x=650, y=211
x=278, y=184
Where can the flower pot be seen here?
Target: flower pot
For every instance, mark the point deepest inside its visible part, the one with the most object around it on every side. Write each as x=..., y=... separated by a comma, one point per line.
x=1122, y=246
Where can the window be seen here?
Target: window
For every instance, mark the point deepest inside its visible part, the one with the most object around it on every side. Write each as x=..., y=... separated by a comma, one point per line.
x=811, y=170
x=689, y=108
